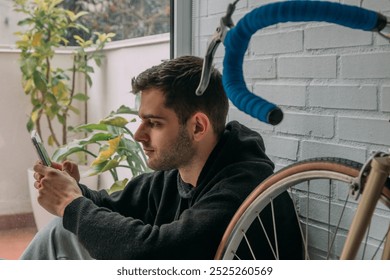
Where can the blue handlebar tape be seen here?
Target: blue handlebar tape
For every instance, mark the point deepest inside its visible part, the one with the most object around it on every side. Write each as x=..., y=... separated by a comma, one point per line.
x=237, y=40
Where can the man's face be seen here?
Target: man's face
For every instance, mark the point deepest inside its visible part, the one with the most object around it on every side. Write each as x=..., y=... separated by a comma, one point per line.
x=167, y=144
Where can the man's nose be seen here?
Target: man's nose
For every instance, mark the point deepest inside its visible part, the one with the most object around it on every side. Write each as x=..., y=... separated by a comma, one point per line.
x=141, y=135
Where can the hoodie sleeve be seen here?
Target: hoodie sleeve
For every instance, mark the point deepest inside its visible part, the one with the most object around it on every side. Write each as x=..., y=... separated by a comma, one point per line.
x=133, y=200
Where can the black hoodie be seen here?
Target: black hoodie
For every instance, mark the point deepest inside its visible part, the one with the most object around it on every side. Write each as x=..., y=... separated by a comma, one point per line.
x=158, y=216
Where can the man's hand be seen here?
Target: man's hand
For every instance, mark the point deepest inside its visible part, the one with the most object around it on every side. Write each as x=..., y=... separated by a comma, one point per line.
x=72, y=169
x=57, y=186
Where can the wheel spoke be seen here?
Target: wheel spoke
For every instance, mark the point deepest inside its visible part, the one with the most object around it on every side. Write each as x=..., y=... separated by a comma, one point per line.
x=266, y=236
x=275, y=232
x=305, y=244
x=249, y=245
x=337, y=226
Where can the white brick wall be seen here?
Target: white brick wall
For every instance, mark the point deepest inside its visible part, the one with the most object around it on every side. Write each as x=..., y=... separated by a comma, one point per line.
x=385, y=101
x=332, y=82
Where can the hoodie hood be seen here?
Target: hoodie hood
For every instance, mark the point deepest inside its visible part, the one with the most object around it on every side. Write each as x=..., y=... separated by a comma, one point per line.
x=237, y=144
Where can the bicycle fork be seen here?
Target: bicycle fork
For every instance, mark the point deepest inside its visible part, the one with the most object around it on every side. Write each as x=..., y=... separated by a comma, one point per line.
x=380, y=170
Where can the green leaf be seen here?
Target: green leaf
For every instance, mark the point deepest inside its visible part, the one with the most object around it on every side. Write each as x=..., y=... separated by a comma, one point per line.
x=30, y=125
x=62, y=153
x=91, y=127
x=98, y=62
x=89, y=69
x=80, y=145
x=107, y=151
x=74, y=17
x=26, y=21
x=126, y=110
x=118, y=186
x=61, y=119
x=50, y=140
x=115, y=121
x=51, y=98
x=40, y=81
x=81, y=97
x=89, y=80
x=79, y=39
x=104, y=166
x=74, y=109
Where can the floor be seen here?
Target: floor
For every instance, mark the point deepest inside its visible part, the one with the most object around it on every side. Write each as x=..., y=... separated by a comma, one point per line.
x=14, y=241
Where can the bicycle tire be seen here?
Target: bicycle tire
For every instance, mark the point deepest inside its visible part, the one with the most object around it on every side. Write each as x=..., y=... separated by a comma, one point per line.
x=342, y=170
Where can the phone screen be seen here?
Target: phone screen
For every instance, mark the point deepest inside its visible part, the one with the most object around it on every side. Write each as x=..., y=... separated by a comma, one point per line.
x=43, y=155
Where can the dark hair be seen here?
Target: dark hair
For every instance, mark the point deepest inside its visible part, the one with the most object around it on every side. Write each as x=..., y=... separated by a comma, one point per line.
x=178, y=79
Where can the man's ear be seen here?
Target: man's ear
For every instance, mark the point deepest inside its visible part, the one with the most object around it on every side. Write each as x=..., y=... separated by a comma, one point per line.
x=201, y=126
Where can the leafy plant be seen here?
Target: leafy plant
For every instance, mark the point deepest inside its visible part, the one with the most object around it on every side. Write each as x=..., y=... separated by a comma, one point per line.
x=114, y=145
x=53, y=90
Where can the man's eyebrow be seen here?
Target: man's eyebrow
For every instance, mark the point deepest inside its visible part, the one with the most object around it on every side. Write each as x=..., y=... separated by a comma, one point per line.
x=151, y=116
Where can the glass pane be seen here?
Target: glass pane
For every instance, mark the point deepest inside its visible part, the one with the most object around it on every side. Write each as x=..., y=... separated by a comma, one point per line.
x=126, y=18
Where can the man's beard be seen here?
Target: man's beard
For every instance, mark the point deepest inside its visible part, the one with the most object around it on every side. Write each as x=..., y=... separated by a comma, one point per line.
x=177, y=155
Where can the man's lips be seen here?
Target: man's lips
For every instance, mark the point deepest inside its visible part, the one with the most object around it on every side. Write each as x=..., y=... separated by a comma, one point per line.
x=148, y=151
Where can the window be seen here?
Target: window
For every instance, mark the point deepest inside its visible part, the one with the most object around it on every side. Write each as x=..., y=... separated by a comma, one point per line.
x=126, y=18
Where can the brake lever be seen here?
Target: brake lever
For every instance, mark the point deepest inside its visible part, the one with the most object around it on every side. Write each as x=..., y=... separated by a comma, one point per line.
x=218, y=37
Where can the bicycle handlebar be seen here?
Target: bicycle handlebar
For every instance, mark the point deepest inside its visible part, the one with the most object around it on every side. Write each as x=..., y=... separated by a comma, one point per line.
x=237, y=40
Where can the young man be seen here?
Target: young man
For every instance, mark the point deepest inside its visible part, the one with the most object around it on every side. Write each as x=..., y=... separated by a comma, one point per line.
x=203, y=172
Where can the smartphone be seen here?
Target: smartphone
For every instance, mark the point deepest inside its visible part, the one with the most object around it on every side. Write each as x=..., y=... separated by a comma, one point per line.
x=42, y=153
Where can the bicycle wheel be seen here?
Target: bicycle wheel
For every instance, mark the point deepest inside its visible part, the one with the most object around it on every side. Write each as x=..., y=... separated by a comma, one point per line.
x=320, y=191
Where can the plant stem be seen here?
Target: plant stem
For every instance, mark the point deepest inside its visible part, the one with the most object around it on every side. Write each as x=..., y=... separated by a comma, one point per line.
x=54, y=137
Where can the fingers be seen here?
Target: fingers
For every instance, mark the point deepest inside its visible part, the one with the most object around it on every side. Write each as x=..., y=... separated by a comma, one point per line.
x=37, y=185
x=57, y=165
x=67, y=166
x=37, y=176
x=40, y=168
x=72, y=169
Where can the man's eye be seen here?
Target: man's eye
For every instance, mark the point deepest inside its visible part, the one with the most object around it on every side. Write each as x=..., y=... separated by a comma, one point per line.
x=153, y=123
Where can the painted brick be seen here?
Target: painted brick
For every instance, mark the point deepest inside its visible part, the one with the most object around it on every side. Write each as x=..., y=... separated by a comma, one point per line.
x=364, y=252
x=343, y=193
x=282, y=94
x=381, y=41
x=260, y=68
x=200, y=8
x=275, y=43
x=312, y=149
x=319, y=243
x=307, y=124
x=365, y=65
x=208, y=25
x=235, y=114
x=377, y=5
x=335, y=36
x=323, y=66
x=343, y=97
x=218, y=6
x=385, y=99
x=278, y=165
x=318, y=211
x=376, y=131
x=351, y=2
x=258, y=3
x=378, y=222
x=281, y=147
x=318, y=188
